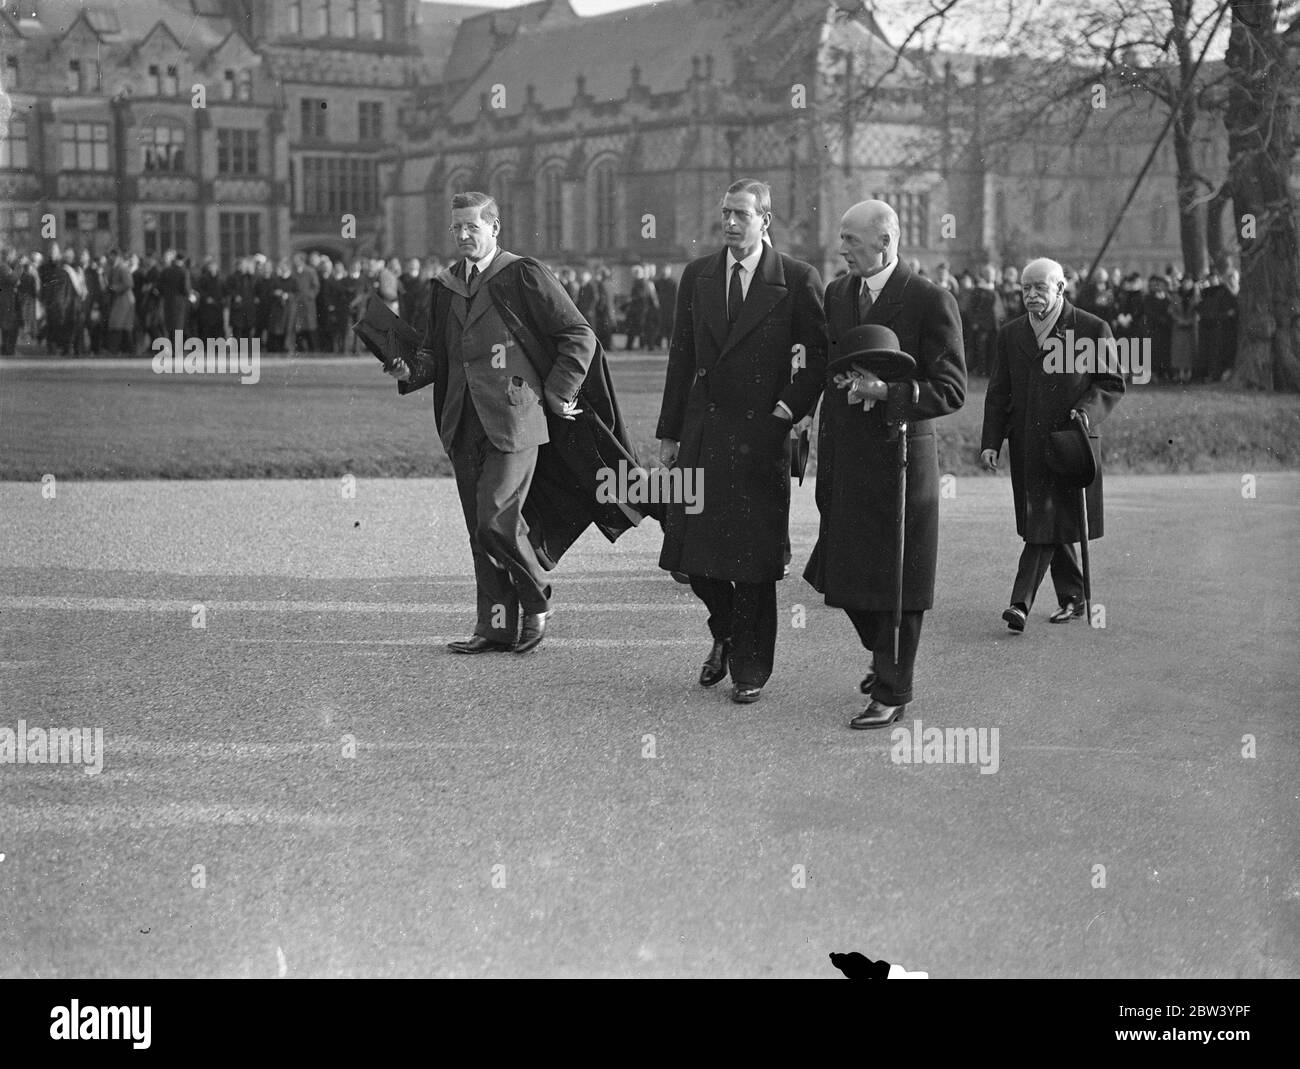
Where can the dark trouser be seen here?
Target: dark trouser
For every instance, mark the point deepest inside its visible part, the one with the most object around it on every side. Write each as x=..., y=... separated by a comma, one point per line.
x=1035, y=559
x=876, y=629
x=492, y=488
x=983, y=342
x=8, y=340
x=745, y=615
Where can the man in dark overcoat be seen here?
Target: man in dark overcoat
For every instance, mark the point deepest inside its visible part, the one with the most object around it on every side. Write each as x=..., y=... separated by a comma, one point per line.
x=174, y=289
x=1037, y=383
x=505, y=344
x=746, y=360
x=853, y=563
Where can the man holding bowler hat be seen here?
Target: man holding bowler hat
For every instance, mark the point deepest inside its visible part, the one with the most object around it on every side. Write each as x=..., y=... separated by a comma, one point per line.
x=897, y=363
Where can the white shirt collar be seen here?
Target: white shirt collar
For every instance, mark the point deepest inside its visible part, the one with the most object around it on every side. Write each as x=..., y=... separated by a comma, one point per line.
x=876, y=282
x=482, y=264
x=749, y=263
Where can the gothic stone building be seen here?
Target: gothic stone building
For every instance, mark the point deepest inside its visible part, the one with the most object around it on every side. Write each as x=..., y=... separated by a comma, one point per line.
x=217, y=127
x=612, y=138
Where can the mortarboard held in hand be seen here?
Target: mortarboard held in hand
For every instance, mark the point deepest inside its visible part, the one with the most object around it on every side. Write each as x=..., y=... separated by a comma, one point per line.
x=385, y=334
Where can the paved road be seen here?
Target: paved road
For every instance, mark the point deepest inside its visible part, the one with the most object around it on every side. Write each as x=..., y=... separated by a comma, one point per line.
x=311, y=786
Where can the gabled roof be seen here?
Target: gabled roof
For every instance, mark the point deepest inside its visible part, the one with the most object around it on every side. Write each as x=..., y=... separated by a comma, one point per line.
x=156, y=36
x=551, y=46
x=135, y=20
x=83, y=24
x=478, y=35
x=439, y=30
x=236, y=44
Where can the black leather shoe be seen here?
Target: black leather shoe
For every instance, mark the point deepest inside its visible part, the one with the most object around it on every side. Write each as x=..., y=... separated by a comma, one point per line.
x=530, y=635
x=877, y=715
x=745, y=693
x=868, y=681
x=1015, y=617
x=1071, y=610
x=478, y=644
x=715, y=665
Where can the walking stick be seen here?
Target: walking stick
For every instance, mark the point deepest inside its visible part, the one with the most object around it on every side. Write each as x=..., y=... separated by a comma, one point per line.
x=901, y=523
x=1083, y=547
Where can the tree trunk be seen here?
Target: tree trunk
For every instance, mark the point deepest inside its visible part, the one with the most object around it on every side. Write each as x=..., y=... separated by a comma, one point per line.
x=1191, y=230
x=1214, y=245
x=1261, y=145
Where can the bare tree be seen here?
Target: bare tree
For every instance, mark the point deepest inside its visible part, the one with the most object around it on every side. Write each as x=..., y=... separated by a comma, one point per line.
x=1262, y=63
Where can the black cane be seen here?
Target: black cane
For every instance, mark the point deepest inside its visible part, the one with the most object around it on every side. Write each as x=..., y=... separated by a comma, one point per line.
x=902, y=517
x=1083, y=546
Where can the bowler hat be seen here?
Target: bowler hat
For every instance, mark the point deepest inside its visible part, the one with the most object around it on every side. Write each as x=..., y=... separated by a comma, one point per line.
x=875, y=348
x=1072, y=454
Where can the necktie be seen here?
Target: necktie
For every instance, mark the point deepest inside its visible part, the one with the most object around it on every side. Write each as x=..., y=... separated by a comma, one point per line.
x=735, y=295
x=864, y=302
x=473, y=276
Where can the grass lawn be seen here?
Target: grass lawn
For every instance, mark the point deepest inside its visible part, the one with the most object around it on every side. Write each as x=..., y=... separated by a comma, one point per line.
x=325, y=417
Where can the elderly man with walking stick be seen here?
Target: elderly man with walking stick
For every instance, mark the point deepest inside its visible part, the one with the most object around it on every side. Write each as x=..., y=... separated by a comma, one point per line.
x=1054, y=365
x=897, y=364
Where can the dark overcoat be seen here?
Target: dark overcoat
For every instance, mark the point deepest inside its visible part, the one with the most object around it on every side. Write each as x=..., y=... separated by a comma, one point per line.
x=1025, y=403
x=8, y=298
x=721, y=388
x=562, y=500
x=857, y=462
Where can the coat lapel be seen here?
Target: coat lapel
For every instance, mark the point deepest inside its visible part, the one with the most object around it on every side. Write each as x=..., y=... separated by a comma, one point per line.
x=840, y=295
x=890, y=301
x=711, y=294
x=482, y=299
x=452, y=281
x=1028, y=340
x=766, y=289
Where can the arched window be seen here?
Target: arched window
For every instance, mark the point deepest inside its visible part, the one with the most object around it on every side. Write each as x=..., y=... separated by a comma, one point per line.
x=377, y=20
x=323, y=23
x=350, y=19
x=295, y=16
x=500, y=191
x=552, y=214
x=604, y=204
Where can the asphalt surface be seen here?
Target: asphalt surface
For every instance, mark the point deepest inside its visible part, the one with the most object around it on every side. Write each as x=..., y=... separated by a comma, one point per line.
x=310, y=785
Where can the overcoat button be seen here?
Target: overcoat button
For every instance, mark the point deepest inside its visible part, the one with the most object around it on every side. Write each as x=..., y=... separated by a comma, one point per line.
x=701, y=373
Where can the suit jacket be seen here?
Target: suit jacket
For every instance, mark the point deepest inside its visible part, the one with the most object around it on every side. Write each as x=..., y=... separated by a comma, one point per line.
x=551, y=344
x=722, y=385
x=1025, y=403
x=494, y=376
x=853, y=563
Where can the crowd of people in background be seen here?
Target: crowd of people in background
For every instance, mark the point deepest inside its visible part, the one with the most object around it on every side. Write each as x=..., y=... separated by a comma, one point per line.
x=1191, y=323
x=71, y=303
